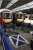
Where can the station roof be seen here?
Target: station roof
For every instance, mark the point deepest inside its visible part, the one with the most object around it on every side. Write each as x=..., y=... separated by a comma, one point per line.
x=12, y=4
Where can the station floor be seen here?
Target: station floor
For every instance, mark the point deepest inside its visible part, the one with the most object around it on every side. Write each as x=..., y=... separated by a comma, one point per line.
x=1, y=48
x=27, y=36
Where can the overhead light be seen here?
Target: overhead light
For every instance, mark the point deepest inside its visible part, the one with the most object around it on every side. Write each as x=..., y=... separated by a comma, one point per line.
x=24, y=7
x=11, y=3
x=1, y=10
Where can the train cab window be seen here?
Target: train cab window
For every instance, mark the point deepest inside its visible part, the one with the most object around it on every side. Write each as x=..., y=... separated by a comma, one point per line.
x=6, y=15
x=19, y=16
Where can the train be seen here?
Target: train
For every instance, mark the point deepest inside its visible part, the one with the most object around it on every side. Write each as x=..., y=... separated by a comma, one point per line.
x=8, y=41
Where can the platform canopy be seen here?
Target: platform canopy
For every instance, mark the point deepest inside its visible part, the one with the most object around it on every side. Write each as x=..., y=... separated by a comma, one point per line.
x=12, y=4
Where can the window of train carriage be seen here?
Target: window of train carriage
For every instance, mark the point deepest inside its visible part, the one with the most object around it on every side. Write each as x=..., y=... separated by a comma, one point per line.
x=17, y=16
x=1, y=14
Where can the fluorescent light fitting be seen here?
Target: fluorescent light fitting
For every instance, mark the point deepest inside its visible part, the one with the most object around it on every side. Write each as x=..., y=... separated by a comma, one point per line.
x=24, y=7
